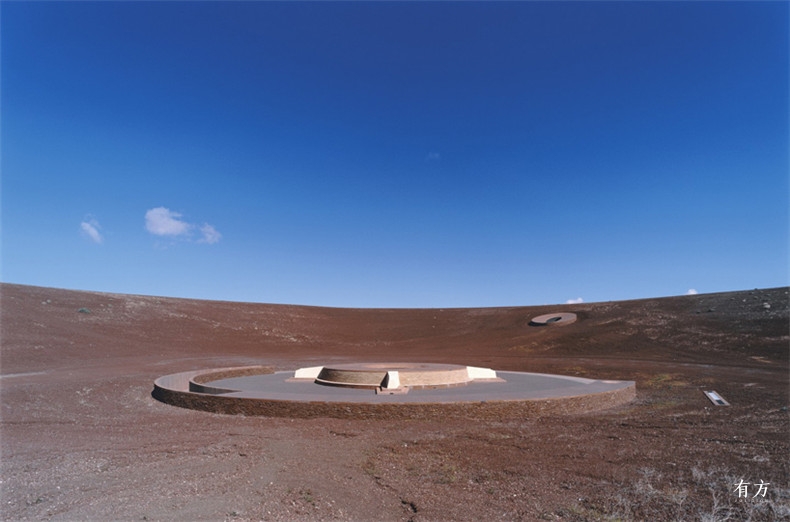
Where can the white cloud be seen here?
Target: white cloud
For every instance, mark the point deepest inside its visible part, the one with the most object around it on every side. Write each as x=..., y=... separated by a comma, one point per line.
x=161, y=221
x=210, y=234
x=433, y=156
x=692, y=291
x=578, y=300
x=90, y=227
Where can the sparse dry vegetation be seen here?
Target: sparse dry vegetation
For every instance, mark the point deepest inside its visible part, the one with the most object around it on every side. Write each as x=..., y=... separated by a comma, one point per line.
x=83, y=439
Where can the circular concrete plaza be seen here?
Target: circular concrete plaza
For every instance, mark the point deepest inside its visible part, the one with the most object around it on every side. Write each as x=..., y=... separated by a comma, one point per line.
x=409, y=390
x=555, y=319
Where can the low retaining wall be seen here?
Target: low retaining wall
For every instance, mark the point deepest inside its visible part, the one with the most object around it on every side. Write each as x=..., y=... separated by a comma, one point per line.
x=175, y=390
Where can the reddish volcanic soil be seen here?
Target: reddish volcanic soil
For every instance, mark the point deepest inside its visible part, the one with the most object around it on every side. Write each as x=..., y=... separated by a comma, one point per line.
x=82, y=438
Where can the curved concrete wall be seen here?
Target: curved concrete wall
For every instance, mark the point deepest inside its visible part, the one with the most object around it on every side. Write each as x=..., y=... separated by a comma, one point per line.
x=558, y=319
x=373, y=378
x=174, y=390
x=192, y=381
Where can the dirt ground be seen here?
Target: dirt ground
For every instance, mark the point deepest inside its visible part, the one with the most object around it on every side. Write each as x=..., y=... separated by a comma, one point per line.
x=82, y=438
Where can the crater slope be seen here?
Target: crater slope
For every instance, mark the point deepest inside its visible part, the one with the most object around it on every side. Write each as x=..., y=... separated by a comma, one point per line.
x=82, y=437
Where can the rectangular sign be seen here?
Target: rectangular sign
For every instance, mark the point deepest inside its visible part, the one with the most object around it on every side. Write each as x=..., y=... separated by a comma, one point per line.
x=716, y=399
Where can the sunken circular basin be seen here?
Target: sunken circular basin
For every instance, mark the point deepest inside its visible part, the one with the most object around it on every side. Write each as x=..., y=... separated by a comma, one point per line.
x=560, y=319
x=388, y=391
x=412, y=375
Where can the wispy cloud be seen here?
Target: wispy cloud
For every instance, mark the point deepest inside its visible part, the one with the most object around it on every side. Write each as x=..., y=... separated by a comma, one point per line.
x=578, y=300
x=161, y=221
x=692, y=291
x=210, y=234
x=433, y=156
x=90, y=227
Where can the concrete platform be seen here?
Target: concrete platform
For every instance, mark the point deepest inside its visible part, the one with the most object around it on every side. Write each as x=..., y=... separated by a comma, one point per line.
x=556, y=319
x=408, y=375
x=395, y=376
x=514, y=386
x=258, y=391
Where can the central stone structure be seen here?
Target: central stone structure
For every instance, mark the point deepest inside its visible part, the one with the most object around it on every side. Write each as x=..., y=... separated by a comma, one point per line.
x=395, y=376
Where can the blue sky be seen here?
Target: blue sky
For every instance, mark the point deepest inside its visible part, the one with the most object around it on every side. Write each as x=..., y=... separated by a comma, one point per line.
x=375, y=154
